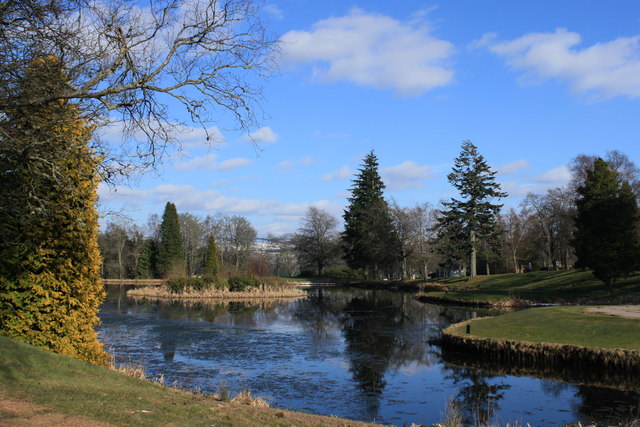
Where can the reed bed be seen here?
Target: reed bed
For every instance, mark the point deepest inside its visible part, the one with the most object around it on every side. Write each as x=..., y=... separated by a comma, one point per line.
x=164, y=293
x=624, y=361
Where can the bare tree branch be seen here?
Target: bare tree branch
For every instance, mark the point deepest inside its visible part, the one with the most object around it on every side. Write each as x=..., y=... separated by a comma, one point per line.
x=129, y=61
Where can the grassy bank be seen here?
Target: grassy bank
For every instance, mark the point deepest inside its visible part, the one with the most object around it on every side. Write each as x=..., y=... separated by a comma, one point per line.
x=38, y=387
x=560, y=325
x=553, y=337
x=571, y=286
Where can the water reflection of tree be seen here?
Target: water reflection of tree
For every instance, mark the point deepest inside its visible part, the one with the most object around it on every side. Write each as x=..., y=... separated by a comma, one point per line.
x=321, y=313
x=478, y=397
x=604, y=406
x=368, y=330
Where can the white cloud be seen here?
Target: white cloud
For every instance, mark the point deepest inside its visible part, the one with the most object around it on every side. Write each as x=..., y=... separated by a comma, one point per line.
x=290, y=165
x=171, y=189
x=263, y=134
x=373, y=50
x=286, y=166
x=607, y=69
x=190, y=199
x=187, y=136
x=209, y=162
x=407, y=174
x=274, y=11
x=232, y=164
x=204, y=162
x=342, y=173
x=559, y=175
x=192, y=137
x=512, y=167
x=307, y=160
x=519, y=189
x=109, y=193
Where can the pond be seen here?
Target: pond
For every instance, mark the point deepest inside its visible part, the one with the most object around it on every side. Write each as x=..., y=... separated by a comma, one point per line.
x=357, y=354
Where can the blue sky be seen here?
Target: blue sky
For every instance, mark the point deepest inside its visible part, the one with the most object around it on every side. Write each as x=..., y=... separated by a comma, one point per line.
x=531, y=83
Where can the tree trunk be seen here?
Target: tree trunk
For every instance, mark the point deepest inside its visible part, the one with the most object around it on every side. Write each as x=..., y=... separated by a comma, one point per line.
x=404, y=263
x=609, y=283
x=121, y=261
x=474, y=255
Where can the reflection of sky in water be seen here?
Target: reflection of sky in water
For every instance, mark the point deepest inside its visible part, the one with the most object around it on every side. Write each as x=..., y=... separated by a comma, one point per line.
x=359, y=355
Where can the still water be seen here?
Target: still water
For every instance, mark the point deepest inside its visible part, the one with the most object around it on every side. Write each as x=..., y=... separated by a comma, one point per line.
x=355, y=354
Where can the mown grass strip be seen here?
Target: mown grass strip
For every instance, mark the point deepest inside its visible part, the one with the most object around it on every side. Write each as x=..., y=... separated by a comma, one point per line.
x=560, y=325
x=540, y=286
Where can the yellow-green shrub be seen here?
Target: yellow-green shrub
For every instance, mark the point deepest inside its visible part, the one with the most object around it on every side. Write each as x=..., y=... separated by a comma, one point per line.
x=50, y=286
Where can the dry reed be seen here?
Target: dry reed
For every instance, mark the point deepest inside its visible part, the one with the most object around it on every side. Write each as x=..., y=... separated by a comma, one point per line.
x=245, y=398
x=137, y=372
x=165, y=293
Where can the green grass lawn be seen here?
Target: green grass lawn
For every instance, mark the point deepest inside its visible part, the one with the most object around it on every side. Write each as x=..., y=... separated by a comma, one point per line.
x=60, y=386
x=561, y=325
x=540, y=286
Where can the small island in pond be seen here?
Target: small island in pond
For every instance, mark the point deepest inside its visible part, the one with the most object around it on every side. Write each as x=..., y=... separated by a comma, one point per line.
x=234, y=288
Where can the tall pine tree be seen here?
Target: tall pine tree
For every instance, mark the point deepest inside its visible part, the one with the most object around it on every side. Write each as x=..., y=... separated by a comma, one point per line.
x=606, y=236
x=464, y=223
x=369, y=240
x=50, y=286
x=170, y=261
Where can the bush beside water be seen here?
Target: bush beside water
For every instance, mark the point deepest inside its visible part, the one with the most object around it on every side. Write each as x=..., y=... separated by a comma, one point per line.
x=240, y=284
x=180, y=285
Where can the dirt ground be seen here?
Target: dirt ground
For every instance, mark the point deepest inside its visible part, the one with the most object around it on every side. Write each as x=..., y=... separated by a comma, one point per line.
x=628, y=311
x=14, y=413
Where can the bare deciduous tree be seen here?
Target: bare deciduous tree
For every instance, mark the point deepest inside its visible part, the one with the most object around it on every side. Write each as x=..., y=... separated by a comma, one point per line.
x=235, y=237
x=193, y=242
x=414, y=229
x=132, y=62
x=515, y=226
x=317, y=241
x=552, y=218
x=617, y=161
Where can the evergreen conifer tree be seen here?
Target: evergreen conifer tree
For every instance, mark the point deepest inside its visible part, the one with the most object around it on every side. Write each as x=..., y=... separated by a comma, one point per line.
x=464, y=223
x=211, y=262
x=146, y=268
x=171, y=261
x=50, y=285
x=606, y=235
x=369, y=240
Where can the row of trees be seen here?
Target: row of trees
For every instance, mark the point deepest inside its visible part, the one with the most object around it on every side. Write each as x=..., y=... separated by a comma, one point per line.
x=176, y=245
x=466, y=235
x=590, y=223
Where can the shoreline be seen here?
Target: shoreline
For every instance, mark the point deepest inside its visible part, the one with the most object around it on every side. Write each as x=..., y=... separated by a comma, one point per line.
x=40, y=388
x=541, y=354
x=504, y=303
